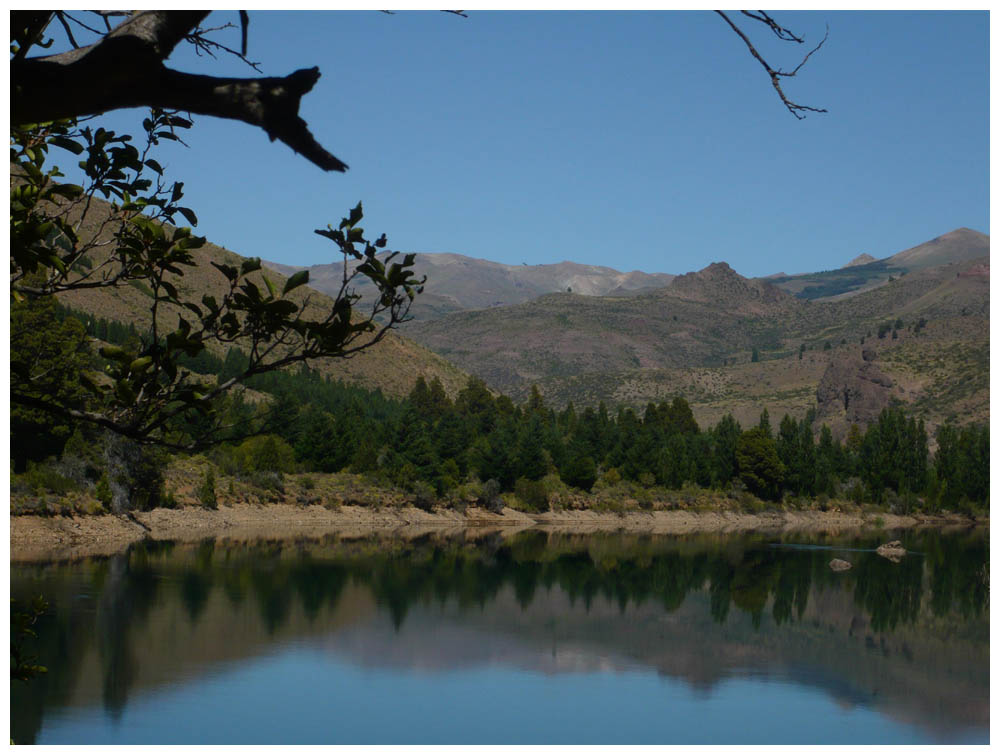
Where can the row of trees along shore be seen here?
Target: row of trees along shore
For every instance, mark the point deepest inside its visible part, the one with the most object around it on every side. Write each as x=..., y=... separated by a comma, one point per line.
x=431, y=445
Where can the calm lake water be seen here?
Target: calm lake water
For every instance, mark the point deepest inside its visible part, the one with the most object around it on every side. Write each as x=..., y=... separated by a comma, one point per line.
x=531, y=639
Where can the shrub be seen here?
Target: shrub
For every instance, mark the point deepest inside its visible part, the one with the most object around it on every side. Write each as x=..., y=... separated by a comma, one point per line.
x=274, y=481
x=44, y=477
x=490, y=498
x=611, y=478
x=532, y=494
x=424, y=495
x=307, y=483
x=206, y=493
x=103, y=491
x=449, y=475
x=266, y=453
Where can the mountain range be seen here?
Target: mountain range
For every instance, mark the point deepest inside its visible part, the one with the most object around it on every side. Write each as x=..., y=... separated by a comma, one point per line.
x=914, y=325
x=458, y=283
x=730, y=343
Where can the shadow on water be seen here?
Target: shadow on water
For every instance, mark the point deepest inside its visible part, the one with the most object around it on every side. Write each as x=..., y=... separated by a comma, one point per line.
x=779, y=601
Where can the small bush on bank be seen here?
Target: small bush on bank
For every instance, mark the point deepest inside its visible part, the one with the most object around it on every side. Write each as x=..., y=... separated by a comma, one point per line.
x=43, y=477
x=424, y=496
x=490, y=498
x=532, y=494
x=206, y=492
x=169, y=501
x=271, y=481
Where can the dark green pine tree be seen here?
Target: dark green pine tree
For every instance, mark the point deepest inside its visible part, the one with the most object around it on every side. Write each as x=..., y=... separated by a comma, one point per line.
x=46, y=359
x=475, y=403
x=420, y=398
x=627, y=427
x=530, y=448
x=787, y=444
x=700, y=466
x=568, y=420
x=579, y=469
x=453, y=435
x=366, y=455
x=759, y=466
x=420, y=452
x=725, y=436
x=673, y=464
x=765, y=423
x=641, y=455
x=323, y=443
x=494, y=457
x=826, y=462
x=678, y=417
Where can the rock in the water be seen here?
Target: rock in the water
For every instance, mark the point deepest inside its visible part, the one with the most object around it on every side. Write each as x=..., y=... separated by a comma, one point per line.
x=838, y=564
x=893, y=551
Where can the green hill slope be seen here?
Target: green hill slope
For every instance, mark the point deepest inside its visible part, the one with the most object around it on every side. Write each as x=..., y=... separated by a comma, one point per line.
x=392, y=365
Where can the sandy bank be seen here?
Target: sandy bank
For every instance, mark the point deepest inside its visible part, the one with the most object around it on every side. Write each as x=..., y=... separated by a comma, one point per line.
x=34, y=538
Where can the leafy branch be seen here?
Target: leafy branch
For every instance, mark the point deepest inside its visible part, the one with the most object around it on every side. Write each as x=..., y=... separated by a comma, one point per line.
x=65, y=242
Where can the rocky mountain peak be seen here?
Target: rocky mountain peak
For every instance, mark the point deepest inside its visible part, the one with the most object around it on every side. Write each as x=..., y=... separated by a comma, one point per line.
x=719, y=284
x=861, y=259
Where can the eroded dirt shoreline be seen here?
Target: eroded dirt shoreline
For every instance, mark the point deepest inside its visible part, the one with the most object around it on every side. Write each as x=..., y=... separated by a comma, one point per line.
x=35, y=538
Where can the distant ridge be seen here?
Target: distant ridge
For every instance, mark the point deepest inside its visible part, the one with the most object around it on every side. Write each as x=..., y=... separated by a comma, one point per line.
x=864, y=273
x=457, y=283
x=960, y=245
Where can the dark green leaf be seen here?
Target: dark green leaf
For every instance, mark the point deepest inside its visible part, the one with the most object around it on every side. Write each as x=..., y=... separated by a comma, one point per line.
x=170, y=289
x=269, y=284
x=250, y=265
x=188, y=215
x=227, y=270
x=66, y=143
x=356, y=215
x=300, y=278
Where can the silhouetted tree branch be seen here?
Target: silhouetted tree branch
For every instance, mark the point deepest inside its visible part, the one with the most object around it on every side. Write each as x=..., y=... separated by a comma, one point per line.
x=776, y=74
x=125, y=69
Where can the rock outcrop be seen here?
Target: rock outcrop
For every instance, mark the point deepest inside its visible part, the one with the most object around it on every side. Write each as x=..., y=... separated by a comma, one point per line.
x=894, y=551
x=838, y=564
x=722, y=286
x=853, y=390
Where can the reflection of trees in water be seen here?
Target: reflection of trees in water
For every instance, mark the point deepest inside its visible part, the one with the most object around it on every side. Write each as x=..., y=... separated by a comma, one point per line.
x=130, y=589
x=958, y=574
x=748, y=578
x=890, y=593
x=746, y=574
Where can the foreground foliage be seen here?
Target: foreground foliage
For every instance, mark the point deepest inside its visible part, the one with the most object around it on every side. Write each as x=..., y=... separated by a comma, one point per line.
x=139, y=390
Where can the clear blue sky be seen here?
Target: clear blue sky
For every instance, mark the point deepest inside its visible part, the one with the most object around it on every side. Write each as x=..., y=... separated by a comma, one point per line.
x=637, y=140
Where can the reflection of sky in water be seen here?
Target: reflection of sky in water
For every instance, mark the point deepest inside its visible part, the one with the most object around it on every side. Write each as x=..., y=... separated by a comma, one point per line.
x=305, y=695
